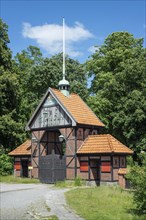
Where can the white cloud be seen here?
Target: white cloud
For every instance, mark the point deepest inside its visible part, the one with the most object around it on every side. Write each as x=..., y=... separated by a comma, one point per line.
x=49, y=37
x=93, y=49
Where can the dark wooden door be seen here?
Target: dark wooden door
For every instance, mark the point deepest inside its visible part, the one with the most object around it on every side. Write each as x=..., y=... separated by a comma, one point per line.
x=52, y=168
x=24, y=165
x=95, y=169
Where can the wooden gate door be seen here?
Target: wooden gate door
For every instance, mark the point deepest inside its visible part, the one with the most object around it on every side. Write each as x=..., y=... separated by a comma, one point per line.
x=24, y=165
x=52, y=168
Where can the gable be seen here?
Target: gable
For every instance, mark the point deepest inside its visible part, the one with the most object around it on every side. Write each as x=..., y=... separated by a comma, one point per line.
x=79, y=110
x=56, y=109
x=50, y=114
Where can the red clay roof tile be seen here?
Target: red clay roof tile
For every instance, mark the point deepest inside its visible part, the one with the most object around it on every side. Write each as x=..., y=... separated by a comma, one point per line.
x=23, y=149
x=78, y=109
x=103, y=143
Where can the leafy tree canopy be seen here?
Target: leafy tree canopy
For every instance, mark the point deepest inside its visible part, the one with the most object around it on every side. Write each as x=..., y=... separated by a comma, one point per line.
x=24, y=82
x=5, y=53
x=11, y=132
x=119, y=87
x=137, y=177
x=38, y=74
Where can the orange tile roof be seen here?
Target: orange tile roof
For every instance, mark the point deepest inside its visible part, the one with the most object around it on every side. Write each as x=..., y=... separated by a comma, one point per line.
x=23, y=149
x=78, y=109
x=103, y=143
x=123, y=171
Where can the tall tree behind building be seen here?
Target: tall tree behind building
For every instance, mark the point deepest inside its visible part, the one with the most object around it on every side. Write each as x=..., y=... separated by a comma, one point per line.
x=11, y=128
x=119, y=87
x=24, y=80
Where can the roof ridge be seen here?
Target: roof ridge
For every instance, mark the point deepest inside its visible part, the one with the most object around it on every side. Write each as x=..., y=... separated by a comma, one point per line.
x=25, y=146
x=121, y=143
x=90, y=110
x=62, y=105
x=109, y=141
x=22, y=144
x=73, y=93
x=103, y=143
x=84, y=142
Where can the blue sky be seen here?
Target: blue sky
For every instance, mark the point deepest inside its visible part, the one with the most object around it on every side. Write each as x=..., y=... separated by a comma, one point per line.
x=88, y=23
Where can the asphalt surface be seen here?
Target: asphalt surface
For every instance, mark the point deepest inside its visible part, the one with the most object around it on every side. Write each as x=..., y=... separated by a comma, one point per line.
x=33, y=201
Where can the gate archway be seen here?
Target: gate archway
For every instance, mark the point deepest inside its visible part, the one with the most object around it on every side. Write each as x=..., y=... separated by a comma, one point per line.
x=52, y=168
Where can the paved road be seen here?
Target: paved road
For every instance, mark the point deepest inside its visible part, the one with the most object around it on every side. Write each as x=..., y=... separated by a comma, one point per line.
x=31, y=201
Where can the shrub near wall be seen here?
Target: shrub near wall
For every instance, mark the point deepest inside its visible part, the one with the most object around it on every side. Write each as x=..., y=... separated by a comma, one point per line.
x=137, y=177
x=6, y=164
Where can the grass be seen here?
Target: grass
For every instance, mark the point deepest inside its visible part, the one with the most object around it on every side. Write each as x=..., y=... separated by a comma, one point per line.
x=102, y=203
x=66, y=183
x=12, y=179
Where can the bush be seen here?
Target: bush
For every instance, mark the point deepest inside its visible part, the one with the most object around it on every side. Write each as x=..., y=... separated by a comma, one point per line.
x=79, y=182
x=137, y=177
x=6, y=164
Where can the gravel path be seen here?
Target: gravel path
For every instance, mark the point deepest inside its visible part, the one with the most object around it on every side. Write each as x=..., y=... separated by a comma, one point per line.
x=31, y=201
x=55, y=199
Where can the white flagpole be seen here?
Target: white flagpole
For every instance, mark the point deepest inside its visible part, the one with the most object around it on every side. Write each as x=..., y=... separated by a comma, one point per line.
x=63, y=48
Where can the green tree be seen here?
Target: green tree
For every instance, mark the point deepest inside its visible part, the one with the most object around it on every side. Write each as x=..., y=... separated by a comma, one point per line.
x=119, y=88
x=137, y=177
x=6, y=163
x=25, y=63
x=10, y=126
x=5, y=52
x=37, y=74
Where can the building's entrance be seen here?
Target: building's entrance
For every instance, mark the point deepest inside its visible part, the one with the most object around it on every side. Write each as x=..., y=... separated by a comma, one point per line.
x=95, y=169
x=24, y=165
x=52, y=168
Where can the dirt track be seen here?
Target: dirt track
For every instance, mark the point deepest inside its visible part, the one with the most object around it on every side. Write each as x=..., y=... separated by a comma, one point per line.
x=32, y=201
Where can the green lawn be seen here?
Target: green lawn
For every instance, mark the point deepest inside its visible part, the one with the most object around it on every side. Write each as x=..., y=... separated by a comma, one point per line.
x=12, y=179
x=102, y=203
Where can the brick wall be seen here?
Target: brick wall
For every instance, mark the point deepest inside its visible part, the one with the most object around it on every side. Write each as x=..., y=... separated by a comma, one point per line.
x=122, y=181
x=68, y=133
x=82, y=175
x=17, y=173
x=115, y=174
x=105, y=176
x=70, y=173
x=35, y=172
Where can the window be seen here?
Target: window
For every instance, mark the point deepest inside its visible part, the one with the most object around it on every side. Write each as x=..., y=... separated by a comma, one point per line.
x=90, y=132
x=83, y=166
x=105, y=167
x=17, y=166
x=94, y=132
x=80, y=134
x=116, y=162
x=122, y=162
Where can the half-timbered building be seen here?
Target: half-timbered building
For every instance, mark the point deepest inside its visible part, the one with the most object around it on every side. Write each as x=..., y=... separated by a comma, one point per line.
x=22, y=159
x=66, y=141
